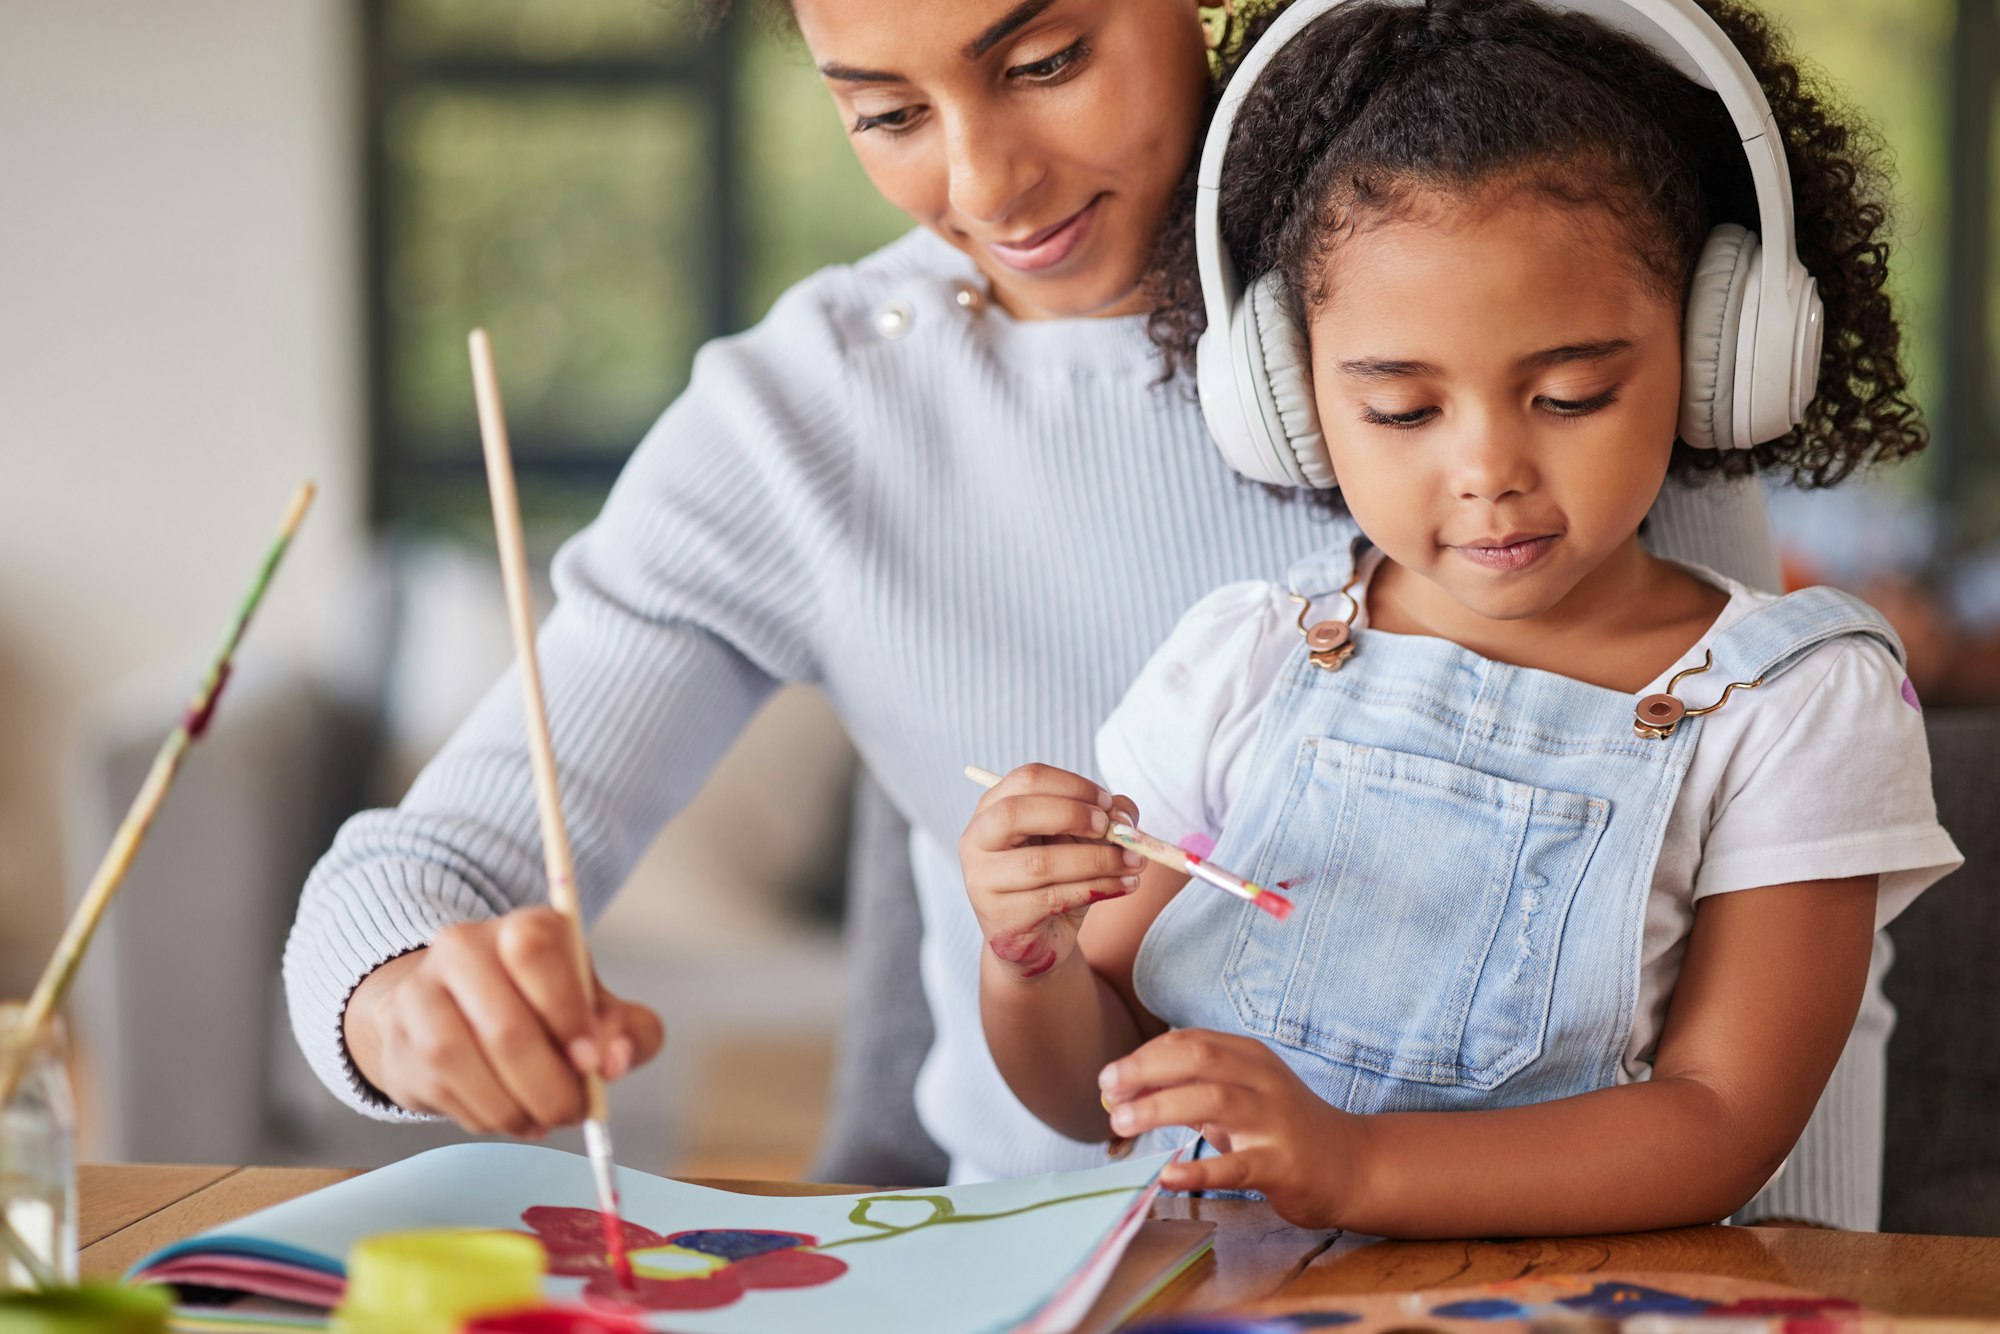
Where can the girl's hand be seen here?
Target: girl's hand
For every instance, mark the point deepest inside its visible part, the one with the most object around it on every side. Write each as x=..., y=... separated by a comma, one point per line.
x=488, y=1026
x=1272, y=1133
x=1034, y=861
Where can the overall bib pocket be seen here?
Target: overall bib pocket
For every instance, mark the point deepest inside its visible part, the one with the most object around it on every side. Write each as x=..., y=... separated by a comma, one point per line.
x=1430, y=899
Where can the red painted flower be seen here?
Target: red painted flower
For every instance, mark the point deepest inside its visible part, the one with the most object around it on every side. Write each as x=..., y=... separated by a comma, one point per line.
x=683, y=1271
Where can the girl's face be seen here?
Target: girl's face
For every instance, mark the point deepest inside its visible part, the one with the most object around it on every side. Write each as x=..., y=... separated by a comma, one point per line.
x=1043, y=138
x=1499, y=384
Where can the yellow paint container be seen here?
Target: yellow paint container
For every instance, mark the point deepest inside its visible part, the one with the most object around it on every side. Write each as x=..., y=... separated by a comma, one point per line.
x=433, y=1281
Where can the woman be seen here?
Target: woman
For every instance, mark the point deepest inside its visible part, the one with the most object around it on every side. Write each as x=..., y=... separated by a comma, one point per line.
x=856, y=493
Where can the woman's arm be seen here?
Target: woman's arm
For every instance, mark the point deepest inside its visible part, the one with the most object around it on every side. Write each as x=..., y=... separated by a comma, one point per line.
x=678, y=611
x=1766, y=996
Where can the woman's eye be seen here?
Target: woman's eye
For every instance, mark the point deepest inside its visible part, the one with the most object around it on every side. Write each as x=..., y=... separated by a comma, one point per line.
x=900, y=121
x=1052, y=69
x=1402, y=421
x=1579, y=407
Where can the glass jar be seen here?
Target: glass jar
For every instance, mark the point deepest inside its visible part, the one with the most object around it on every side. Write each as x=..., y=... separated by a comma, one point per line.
x=37, y=1156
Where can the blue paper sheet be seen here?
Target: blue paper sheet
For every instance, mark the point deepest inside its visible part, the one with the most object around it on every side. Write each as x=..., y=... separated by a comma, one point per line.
x=956, y=1259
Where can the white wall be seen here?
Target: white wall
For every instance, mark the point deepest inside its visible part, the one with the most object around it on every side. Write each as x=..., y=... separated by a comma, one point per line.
x=179, y=319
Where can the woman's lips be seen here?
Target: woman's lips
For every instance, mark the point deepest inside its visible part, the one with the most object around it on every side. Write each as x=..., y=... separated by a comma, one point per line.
x=1049, y=246
x=1513, y=553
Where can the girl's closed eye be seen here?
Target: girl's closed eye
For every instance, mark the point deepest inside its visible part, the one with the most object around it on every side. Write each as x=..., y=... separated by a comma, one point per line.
x=1577, y=407
x=1401, y=420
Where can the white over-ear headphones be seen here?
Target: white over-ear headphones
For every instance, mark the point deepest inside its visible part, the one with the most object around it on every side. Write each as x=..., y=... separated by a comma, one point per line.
x=1752, y=328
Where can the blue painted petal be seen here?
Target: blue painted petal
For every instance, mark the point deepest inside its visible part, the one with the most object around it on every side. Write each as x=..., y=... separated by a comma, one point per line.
x=1618, y=1300
x=1482, y=1308
x=734, y=1244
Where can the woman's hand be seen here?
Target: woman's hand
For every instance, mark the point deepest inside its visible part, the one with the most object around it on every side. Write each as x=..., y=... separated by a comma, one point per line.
x=1034, y=861
x=1272, y=1133
x=488, y=1026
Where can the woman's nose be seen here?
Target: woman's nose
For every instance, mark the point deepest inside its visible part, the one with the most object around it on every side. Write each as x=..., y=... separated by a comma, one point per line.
x=990, y=168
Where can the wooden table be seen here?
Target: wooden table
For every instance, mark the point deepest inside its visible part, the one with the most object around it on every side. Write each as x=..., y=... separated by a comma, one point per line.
x=1260, y=1262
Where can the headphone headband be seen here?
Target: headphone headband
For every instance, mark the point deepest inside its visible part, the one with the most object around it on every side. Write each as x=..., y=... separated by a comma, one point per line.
x=1780, y=350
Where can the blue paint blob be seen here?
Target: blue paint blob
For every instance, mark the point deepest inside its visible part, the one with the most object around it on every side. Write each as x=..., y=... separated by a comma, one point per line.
x=734, y=1244
x=1615, y=1301
x=1216, y=1324
x=1322, y=1319
x=1484, y=1308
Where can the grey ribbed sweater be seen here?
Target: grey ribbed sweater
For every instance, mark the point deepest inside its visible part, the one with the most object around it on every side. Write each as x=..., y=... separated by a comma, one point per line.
x=969, y=531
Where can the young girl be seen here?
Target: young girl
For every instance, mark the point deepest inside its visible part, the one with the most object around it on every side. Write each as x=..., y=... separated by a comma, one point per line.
x=1586, y=846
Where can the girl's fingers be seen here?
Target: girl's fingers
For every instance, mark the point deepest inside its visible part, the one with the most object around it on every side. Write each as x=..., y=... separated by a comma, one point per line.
x=1008, y=822
x=1193, y=1105
x=1044, y=865
x=1183, y=1055
x=519, y=1050
x=1229, y=1171
x=1048, y=780
x=1026, y=913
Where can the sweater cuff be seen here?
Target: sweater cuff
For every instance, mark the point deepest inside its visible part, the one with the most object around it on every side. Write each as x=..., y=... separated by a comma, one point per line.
x=342, y=936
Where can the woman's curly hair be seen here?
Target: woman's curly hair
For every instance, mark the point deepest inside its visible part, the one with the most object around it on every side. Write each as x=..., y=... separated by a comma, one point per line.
x=1375, y=106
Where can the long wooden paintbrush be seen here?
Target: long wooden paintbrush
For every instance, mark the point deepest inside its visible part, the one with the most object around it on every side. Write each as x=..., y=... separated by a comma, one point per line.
x=62, y=965
x=541, y=751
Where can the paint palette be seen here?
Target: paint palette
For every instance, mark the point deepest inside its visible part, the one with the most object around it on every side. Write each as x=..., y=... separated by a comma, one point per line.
x=1682, y=1303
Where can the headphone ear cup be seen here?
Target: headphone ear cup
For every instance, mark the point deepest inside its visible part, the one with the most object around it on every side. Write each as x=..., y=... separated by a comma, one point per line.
x=1283, y=377
x=1710, y=335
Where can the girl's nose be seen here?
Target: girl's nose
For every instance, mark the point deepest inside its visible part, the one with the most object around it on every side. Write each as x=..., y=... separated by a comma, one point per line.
x=1492, y=462
x=990, y=168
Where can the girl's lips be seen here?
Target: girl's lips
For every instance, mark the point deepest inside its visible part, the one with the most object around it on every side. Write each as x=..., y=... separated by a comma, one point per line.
x=1048, y=247
x=1511, y=556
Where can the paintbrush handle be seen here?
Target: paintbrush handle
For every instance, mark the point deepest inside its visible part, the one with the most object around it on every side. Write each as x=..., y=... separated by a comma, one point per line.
x=520, y=618
x=1124, y=835
x=1173, y=857
x=110, y=874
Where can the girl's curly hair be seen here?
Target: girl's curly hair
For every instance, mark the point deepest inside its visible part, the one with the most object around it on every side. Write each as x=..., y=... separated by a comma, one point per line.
x=1376, y=105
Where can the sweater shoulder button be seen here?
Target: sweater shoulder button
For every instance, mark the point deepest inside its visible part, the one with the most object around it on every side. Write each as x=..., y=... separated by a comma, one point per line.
x=894, y=320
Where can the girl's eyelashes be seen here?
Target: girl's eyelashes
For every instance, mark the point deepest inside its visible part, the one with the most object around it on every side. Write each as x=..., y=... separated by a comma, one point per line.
x=1555, y=407
x=1047, y=72
x=1579, y=407
x=1401, y=421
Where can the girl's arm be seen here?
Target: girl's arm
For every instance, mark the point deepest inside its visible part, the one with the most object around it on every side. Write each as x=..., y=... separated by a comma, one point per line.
x=1055, y=978
x=1766, y=996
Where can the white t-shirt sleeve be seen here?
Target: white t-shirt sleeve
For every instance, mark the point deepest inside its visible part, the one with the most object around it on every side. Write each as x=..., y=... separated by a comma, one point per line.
x=1181, y=741
x=1841, y=787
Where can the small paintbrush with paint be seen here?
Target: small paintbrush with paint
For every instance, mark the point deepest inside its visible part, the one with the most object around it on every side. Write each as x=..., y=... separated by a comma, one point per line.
x=542, y=760
x=1175, y=858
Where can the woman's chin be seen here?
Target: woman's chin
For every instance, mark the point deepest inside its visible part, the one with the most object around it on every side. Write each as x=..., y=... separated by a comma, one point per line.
x=1085, y=296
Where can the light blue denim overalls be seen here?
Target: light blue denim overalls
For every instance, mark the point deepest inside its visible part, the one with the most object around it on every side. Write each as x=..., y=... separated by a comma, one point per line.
x=1469, y=847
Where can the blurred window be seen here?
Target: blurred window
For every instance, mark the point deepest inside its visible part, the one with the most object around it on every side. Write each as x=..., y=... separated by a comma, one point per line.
x=603, y=186
x=1922, y=71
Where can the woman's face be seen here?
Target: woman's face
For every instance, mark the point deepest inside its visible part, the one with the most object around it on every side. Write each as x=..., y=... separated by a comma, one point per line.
x=1043, y=138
